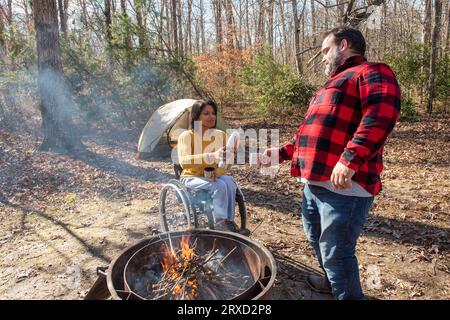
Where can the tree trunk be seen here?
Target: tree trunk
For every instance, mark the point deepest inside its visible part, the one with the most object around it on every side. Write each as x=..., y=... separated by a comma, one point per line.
x=189, y=27
x=164, y=13
x=2, y=34
x=230, y=25
x=197, y=32
x=446, y=24
x=327, y=14
x=247, y=24
x=340, y=9
x=427, y=23
x=260, y=39
x=240, y=39
x=62, y=7
x=270, y=26
x=218, y=23
x=174, y=21
x=59, y=131
x=284, y=31
x=138, y=6
x=298, y=58
x=180, y=28
x=107, y=13
x=313, y=21
x=434, y=48
x=202, y=26
x=9, y=15
x=127, y=40
x=28, y=19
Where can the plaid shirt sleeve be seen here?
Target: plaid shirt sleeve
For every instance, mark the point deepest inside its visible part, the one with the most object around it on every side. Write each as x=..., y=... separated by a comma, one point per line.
x=287, y=151
x=380, y=104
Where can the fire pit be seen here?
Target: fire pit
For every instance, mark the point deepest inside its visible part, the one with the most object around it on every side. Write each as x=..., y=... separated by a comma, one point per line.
x=194, y=264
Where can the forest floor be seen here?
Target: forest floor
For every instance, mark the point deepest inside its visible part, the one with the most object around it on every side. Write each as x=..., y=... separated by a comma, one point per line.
x=62, y=216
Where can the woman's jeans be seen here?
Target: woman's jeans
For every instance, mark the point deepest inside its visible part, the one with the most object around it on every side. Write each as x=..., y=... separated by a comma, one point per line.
x=333, y=223
x=223, y=191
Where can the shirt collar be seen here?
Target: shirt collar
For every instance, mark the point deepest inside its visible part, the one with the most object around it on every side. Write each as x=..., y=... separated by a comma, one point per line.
x=348, y=63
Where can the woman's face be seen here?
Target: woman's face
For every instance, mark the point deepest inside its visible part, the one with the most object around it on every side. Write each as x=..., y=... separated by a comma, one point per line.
x=208, y=117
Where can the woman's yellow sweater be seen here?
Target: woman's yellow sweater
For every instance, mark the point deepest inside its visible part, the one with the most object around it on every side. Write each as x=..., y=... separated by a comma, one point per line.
x=192, y=150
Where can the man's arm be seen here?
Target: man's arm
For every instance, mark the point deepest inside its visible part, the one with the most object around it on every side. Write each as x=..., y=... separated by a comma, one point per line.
x=287, y=151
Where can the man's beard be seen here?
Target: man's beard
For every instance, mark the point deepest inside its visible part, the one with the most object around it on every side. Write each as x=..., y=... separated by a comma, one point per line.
x=335, y=62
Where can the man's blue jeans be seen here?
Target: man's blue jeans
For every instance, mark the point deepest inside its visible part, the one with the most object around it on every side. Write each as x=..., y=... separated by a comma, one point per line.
x=333, y=223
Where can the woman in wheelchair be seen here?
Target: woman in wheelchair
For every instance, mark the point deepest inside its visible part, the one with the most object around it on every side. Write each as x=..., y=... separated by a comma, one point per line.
x=204, y=146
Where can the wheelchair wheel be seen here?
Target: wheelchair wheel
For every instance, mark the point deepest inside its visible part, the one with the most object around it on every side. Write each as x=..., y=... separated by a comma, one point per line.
x=241, y=218
x=174, y=209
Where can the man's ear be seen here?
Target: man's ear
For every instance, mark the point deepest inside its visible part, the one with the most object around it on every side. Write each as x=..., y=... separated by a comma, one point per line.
x=344, y=45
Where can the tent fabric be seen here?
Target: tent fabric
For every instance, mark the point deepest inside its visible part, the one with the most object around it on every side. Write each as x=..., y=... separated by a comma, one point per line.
x=165, y=121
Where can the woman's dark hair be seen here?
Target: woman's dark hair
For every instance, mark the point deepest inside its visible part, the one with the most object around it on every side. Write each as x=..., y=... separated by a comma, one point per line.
x=355, y=38
x=197, y=109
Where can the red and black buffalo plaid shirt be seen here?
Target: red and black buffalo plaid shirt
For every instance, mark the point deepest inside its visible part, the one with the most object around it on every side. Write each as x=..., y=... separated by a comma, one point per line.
x=348, y=120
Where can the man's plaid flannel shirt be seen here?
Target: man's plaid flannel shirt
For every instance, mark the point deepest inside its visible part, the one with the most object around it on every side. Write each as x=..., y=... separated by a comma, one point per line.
x=348, y=120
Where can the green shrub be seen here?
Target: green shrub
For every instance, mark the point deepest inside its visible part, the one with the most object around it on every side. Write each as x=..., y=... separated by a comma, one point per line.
x=408, y=110
x=412, y=70
x=274, y=88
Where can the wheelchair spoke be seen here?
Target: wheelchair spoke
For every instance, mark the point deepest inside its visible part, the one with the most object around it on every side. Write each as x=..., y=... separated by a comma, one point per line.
x=173, y=213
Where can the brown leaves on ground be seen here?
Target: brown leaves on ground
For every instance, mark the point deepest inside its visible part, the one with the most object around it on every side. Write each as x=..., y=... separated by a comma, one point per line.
x=60, y=211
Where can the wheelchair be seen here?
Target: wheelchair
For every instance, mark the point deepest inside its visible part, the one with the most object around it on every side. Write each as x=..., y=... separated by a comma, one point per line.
x=182, y=208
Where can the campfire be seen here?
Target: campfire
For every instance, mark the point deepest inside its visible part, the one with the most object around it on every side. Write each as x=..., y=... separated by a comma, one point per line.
x=192, y=265
x=185, y=269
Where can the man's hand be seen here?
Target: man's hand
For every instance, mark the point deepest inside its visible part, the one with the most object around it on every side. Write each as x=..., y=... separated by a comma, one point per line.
x=267, y=157
x=341, y=177
x=219, y=154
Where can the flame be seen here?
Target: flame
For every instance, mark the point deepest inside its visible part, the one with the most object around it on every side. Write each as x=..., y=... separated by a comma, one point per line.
x=175, y=267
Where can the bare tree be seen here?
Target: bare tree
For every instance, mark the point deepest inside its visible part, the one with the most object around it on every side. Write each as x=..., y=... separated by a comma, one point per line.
x=107, y=13
x=270, y=25
x=59, y=132
x=2, y=33
x=179, y=13
x=138, y=7
x=261, y=25
x=189, y=28
x=230, y=34
x=202, y=26
x=313, y=22
x=127, y=40
x=174, y=26
x=426, y=34
x=217, y=8
x=297, y=54
x=63, y=16
x=247, y=24
x=284, y=32
x=446, y=24
x=434, y=49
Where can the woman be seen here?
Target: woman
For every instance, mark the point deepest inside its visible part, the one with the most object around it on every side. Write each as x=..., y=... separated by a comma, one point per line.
x=204, y=146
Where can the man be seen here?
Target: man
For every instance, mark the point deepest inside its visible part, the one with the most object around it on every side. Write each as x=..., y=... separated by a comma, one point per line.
x=337, y=153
